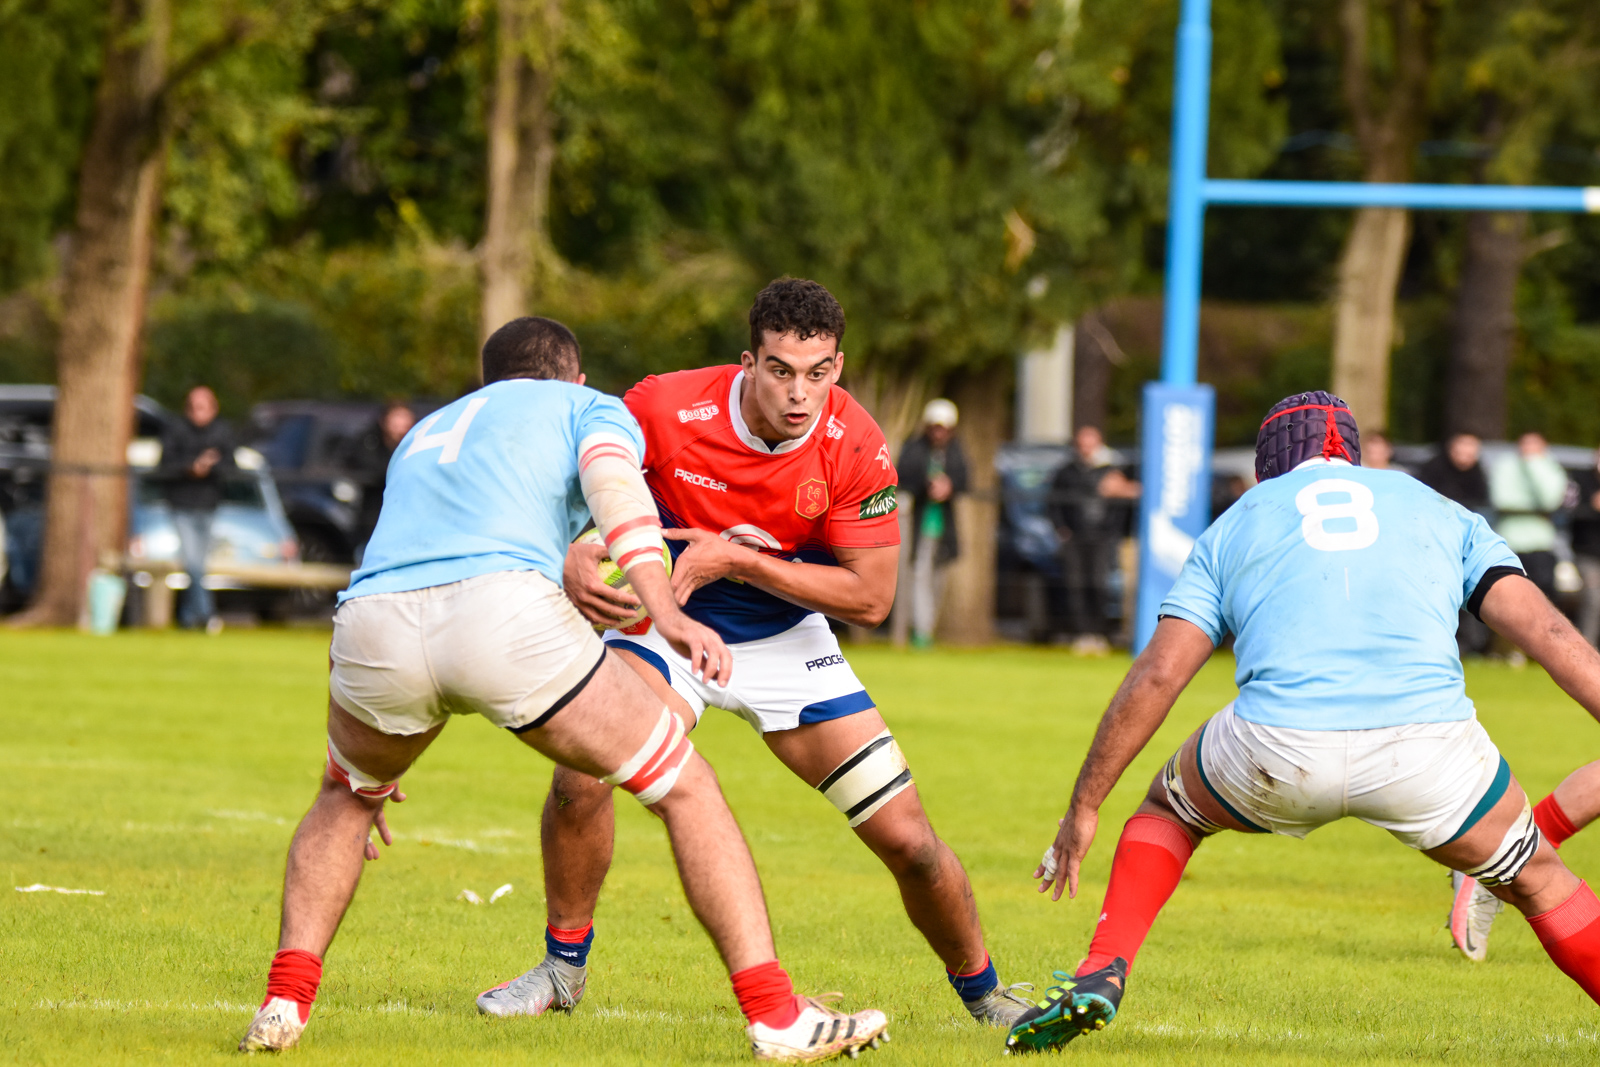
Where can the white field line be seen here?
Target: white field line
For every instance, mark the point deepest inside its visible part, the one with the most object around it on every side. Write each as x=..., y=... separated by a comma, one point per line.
x=40, y=887
x=390, y=1008
x=249, y=816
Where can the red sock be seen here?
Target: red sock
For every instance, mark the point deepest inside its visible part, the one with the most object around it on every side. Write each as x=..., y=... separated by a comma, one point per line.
x=295, y=975
x=1552, y=821
x=1570, y=933
x=1145, y=870
x=766, y=995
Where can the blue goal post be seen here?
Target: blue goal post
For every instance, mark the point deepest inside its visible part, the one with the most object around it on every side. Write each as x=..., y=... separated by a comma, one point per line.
x=1177, y=416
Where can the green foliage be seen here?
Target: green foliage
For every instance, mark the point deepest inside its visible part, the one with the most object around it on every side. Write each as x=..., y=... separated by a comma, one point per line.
x=49, y=56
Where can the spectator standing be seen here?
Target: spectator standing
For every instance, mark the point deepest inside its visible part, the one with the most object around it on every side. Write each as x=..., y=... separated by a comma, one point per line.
x=1088, y=507
x=1586, y=549
x=1456, y=473
x=1377, y=452
x=1527, y=489
x=933, y=470
x=196, y=456
x=374, y=450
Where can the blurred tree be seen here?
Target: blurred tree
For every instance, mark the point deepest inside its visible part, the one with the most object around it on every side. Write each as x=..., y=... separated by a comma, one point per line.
x=1538, y=65
x=1388, y=52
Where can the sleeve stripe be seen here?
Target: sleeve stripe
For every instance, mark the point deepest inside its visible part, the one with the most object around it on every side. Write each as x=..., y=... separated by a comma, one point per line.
x=604, y=452
x=633, y=524
x=630, y=558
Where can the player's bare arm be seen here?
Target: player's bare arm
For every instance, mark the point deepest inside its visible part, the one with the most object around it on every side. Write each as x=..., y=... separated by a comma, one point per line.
x=1176, y=652
x=860, y=590
x=1516, y=610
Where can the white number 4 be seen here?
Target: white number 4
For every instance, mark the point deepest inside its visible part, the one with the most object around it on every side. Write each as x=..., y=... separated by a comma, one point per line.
x=449, y=441
x=1357, y=509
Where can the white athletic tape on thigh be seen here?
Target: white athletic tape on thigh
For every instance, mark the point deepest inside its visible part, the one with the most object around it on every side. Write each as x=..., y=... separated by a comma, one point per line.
x=1516, y=849
x=874, y=774
x=360, y=782
x=653, y=770
x=1178, y=797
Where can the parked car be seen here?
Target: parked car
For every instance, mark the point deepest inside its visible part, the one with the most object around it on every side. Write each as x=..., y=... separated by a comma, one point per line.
x=326, y=459
x=250, y=530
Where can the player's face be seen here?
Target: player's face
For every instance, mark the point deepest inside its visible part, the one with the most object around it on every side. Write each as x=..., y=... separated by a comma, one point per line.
x=787, y=382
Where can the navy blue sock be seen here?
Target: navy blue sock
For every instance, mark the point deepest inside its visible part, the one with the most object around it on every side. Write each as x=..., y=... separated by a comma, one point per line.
x=567, y=946
x=974, y=985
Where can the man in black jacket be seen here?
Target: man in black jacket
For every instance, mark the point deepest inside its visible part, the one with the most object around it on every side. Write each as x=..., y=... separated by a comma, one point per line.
x=196, y=455
x=1091, y=503
x=933, y=470
x=1456, y=474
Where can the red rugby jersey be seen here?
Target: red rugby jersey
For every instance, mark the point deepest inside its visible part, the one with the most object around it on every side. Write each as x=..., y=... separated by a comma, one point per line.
x=835, y=487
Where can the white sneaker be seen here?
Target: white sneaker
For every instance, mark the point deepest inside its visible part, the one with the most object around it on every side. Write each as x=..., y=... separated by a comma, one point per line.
x=819, y=1033
x=278, y=1025
x=555, y=983
x=1472, y=912
x=1002, y=1006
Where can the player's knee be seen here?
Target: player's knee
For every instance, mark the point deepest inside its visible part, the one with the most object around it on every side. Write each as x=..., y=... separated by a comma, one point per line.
x=911, y=852
x=1516, y=849
x=650, y=773
x=867, y=779
x=340, y=774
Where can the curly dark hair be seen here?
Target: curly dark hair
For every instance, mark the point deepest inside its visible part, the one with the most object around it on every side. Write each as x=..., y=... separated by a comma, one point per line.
x=796, y=306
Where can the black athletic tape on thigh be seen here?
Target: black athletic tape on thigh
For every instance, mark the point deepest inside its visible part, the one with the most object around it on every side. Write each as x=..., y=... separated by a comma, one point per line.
x=900, y=782
x=848, y=765
x=1490, y=576
x=564, y=701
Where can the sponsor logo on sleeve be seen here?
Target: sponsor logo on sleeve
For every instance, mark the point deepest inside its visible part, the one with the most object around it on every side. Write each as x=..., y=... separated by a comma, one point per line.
x=883, y=457
x=701, y=412
x=701, y=480
x=835, y=660
x=811, y=498
x=881, y=503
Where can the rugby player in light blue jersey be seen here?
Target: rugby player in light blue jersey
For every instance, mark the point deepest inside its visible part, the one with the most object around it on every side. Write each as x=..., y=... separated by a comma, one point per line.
x=458, y=609
x=1341, y=586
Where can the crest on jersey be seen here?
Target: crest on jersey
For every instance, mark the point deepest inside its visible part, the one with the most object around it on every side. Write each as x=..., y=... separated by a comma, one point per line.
x=811, y=498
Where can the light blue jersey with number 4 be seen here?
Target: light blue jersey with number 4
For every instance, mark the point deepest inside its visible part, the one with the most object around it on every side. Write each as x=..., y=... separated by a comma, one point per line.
x=1342, y=587
x=488, y=483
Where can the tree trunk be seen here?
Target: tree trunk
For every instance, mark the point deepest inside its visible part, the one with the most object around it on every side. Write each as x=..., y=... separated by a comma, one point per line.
x=1484, y=324
x=516, y=251
x=1363, y=332
x=118, y=196
x=967, y=614
x=1386, y=97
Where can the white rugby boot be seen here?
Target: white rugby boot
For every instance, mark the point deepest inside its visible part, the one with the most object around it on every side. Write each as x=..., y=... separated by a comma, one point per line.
x=1002, y=1006
x=1472, y=912
x=554, y=984
x=818, y=1033
x=278, y=1025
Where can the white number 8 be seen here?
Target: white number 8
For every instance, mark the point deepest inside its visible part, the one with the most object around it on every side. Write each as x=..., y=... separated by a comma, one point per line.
x=1358, y=508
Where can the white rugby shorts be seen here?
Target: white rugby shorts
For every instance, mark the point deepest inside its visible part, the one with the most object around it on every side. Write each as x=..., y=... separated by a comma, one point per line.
x=508, y=646
x=790, y=679
x=1425, y=783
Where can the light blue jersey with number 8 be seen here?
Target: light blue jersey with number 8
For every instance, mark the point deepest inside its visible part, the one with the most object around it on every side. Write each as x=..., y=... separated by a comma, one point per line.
x=1342, y=586
x=488, y=483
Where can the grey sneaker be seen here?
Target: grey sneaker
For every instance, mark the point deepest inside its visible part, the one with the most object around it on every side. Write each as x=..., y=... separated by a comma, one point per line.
x=1472, y=912
x=553, y=984
x=277, y=1026
x=1002, y=1006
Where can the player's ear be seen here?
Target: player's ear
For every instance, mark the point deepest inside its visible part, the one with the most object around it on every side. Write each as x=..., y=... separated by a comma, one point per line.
x=838, y=367
x=747, y=360
x=582, y=377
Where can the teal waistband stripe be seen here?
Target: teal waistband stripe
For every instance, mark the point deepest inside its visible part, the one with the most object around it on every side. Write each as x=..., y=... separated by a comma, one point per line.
x=1491, y=797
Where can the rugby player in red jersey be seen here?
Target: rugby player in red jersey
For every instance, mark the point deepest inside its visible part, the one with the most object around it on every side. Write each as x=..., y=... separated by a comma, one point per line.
x=781, y=491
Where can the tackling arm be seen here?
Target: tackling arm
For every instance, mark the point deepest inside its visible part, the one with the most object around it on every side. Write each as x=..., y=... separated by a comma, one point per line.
x=1516, y=609
x=860, y=590
x=1176, y=652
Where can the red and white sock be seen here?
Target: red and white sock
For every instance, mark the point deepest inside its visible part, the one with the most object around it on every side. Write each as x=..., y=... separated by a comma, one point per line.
x=766, y=995
x=295, y=975
x=1149, y=861
x=1552, y=821
x=1570, y=933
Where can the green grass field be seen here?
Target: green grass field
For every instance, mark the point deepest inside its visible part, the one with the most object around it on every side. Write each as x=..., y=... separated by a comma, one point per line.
x=168, y=771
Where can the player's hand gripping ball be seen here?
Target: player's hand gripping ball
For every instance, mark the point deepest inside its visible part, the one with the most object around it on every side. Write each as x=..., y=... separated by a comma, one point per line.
x=612, y=575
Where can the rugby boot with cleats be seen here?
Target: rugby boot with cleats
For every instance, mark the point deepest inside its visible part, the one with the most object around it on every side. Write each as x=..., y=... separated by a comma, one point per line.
x=278, y=1025
x=1472, y=911
x=818, y=1033
x=1002, y=1006
x=1076, y=1006
x=553, y=985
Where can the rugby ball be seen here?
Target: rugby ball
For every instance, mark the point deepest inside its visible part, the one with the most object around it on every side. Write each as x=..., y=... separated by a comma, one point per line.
x=612, y=575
